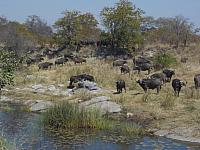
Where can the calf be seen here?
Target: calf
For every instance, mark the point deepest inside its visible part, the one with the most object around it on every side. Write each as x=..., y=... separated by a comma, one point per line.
x=150, y=84
x=197, y=81
x=120, y=84
x=160, y=76
x=169, y=74
x=125, y=69
x=177, y=85
x=45, y=65
x=81, y=77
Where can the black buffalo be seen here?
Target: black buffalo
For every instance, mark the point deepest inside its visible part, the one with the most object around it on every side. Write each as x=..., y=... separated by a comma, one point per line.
x=160, y=76
x=197, y=81
x=169, y=73
x=150, y=84
x=144, y=67
x=45, y=65
x=81, y=77
x=119, y=62
x=125, y=69
x=140, y=60
x=120, y=84
x=60, y=61
x=177, y=85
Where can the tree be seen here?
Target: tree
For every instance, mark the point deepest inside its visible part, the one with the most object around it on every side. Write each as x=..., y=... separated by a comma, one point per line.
x=74, y=27
x=37, y=26
x=122, y=22
x=9, y=62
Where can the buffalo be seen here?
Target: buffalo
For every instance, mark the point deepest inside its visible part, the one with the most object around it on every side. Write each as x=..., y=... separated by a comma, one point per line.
x=125, y=69
x=160, y=76
x=45, y=65
x=150, y=84
x=197, y=81
x=120, y=84
x=144, y=67
x=81, y=77
x=141, y=60
x=177, y=85
x=79, y=60
x=169, y=73
x=60, y=61
x=119, y=62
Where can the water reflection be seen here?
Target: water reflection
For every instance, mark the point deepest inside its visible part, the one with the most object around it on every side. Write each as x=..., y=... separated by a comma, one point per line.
x=25, y=131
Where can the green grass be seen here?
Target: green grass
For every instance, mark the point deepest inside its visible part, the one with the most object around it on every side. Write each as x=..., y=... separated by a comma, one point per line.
x=71, y=116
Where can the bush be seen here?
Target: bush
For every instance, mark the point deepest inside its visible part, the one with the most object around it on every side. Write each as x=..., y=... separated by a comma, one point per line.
x=164, y=60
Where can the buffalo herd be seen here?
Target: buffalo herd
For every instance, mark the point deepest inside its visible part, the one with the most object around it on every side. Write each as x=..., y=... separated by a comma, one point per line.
x=154, y=81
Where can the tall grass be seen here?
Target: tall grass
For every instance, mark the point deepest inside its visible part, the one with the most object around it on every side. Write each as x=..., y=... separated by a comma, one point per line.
x=71, y=116
x=3, y=144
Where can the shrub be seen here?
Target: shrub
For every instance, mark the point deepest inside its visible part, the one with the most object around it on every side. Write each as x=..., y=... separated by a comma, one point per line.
x=164, y=60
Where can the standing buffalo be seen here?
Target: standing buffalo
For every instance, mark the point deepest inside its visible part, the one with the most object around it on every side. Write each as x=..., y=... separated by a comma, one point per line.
x=160, y=76
x=150, y=84
x=45, y=65
x=119, y=62
x=120, y=84
x=177, y=85
x=125, y=69
x=60, y=61
x=197, y=81
x=169, y=74
x=144, y=67
x=79, y=60
x=81, y=77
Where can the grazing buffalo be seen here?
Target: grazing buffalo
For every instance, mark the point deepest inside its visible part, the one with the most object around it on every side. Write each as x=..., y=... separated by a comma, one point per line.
x=60, y=61
x=140, y=60
x=120, y=84
x=197, y=81
x=169, y=74
x=119, y=62
x=125, y=69
x=177, y=85
x=184, y=59
x=34, y=59
x=150, y=84
x=81, y=77
x=160, y=76
x=45, y=65
x=79, y=60
x=144, y=67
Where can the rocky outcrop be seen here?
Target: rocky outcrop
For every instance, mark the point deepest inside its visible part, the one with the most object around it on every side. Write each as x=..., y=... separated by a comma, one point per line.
x=103, y=104
x=38, y=105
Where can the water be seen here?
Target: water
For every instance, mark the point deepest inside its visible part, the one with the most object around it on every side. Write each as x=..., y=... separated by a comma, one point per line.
x=23, y=130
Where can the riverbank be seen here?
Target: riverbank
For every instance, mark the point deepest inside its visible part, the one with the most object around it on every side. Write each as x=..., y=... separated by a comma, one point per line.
x=154, y=112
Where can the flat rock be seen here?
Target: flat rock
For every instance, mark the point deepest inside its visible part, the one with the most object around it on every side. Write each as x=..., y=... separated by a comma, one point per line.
x=102, y=104
x=40, y=106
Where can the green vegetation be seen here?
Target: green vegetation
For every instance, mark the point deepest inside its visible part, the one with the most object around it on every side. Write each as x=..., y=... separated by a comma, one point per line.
x=164, y=60
x=71, y=116
x=3, y=145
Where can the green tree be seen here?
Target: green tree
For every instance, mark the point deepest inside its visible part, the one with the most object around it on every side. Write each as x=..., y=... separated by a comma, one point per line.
x=122, y=22
x=74, y=27
x=9, y=62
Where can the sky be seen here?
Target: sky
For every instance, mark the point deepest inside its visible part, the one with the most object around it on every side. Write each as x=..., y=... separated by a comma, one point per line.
x=50, y=10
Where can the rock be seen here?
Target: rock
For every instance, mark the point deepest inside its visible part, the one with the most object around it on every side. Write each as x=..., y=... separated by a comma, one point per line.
x=61, y=85
x=5, y=99
x=40, y=106
x=102, y=104
x=51, y=88
x=38, y=88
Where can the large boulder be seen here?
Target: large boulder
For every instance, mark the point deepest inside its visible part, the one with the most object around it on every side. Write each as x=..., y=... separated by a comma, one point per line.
x=39, y=105
x=102, y=104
